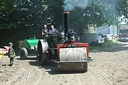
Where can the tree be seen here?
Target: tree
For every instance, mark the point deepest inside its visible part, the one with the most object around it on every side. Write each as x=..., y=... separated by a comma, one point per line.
x=99, y=12
x=7, y=10
x=123, y=8
x=34, y=13
x=55, y=11
x=29, y=14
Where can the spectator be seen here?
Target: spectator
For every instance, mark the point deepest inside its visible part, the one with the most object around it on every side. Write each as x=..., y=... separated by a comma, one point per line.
x=11, y=54
x=44, y=31
x=53, y=30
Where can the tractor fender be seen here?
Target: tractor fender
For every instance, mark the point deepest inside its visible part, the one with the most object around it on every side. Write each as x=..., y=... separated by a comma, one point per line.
x=43, y=44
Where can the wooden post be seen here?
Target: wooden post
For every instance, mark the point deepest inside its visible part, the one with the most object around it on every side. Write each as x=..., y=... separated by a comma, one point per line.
x=1, y=59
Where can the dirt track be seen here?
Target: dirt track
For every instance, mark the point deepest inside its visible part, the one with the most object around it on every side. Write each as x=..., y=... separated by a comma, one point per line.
x=109, y=67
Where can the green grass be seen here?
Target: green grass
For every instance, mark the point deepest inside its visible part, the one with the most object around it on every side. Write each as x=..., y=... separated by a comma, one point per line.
x=113, y=42
x=96, y=47
x=104, y=45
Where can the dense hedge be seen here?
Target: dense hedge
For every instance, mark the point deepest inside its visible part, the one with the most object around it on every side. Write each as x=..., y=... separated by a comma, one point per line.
x=16, y=35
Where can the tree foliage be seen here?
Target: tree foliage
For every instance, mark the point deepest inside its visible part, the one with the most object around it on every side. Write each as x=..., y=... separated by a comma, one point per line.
x=29, y=13
x=99, y=12
x=123, y=8
x=35, y=13
x=7, y=10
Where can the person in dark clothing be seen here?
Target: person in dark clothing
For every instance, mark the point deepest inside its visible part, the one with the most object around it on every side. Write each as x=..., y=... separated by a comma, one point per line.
x=11, y=54
x=44, y=31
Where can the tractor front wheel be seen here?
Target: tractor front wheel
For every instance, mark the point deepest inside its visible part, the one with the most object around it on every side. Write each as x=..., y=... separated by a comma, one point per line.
x=23, y=53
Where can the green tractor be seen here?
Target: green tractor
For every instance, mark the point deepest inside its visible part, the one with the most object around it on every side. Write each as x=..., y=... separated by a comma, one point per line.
x=27, y=46
x=64, y=49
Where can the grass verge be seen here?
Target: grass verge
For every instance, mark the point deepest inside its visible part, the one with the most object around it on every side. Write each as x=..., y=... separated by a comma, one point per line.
x=104, y=45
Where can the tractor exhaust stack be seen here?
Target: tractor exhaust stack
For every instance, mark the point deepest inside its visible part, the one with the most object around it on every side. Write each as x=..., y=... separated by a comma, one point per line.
x=66, y=22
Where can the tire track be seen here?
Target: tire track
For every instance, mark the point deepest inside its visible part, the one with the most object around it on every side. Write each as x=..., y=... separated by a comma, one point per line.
x=27, y=75
x=35, y=74
x=48, y=75
x=18, y=76
x=100, y=77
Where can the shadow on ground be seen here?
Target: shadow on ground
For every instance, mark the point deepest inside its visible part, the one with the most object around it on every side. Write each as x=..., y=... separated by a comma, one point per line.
x=52, y=68
x=29, y=57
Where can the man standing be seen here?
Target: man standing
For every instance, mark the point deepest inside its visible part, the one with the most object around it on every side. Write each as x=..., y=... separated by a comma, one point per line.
x=11, y=54
x=53, y=30
x=44, y=31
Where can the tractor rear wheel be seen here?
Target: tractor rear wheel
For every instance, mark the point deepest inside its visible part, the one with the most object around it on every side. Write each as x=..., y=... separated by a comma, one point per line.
x=23, y=53
x=41, y=57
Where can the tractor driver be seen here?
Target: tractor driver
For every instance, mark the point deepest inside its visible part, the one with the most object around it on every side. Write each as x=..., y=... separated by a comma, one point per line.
x=44, y=31
x=53, y=30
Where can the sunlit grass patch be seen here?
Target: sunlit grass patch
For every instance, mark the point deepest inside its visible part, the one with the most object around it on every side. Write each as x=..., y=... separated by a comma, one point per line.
x=113, y=42
x=106, y=44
